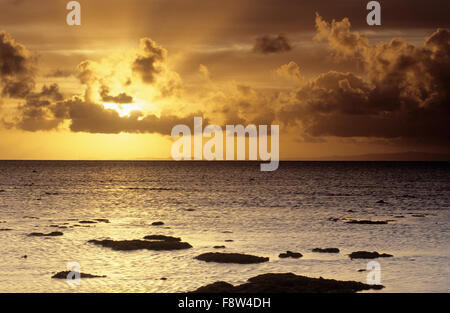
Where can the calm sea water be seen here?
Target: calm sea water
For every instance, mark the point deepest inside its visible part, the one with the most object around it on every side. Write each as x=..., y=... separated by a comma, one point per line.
x=263, y=213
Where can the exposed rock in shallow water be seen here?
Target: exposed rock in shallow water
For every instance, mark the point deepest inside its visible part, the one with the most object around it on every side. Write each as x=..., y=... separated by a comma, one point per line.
x=162, y=237
x=58, y=226
x=288, y=283
x=63, y=275
x=129, y=245
x=326, y=250
x=366, y=222
x=231, y=258
x=157, y=223
x=368, y=255
x=101, y=220
x=290, y=254
x=52, y=234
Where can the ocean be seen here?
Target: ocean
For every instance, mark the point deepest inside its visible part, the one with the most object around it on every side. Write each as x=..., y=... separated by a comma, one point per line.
x=299, y=207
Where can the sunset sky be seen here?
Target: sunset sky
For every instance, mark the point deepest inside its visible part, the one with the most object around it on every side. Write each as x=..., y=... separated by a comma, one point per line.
x=114, y=87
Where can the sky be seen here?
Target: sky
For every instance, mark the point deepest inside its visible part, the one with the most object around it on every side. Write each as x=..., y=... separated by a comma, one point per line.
x=115, y=86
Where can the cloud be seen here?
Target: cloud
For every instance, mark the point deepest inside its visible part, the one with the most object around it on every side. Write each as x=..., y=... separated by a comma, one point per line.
x=43, y=114
x=400, y=92
x=272, y=44
x=239, y=104
x=16, y=70
x=94, y=118
x=121, y=98
x=150, y=62
x=48, y=109
x=340, y=39
x=403, y=92
x=204, y=71
x=35, y=114
x=290, y=71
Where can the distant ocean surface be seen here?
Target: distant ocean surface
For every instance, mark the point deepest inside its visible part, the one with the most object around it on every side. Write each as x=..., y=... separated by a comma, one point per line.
x=207, y=203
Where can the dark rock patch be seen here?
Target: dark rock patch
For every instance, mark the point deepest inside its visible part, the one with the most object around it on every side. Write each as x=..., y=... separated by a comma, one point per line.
x=290, y=254
x=219, y=247
x=399, y=216
x=367, y=222
x=326, y=250
x=189, y=210
x=381, y=202
x=418, y=215
x=87, y=222
x=157, y=223
x=58, y=226
x=162, y=237
x=288, y=283
x=5, y=229
x=63, y=275
x=231, y=258
x=334, y=219
x=368, y=255
x=101, y=220
x=362, y=270
x=52, y=234
x=130, y=245
x=229, y=240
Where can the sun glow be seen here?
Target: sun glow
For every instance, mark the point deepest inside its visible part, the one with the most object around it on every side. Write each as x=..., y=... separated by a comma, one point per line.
x=123, y=109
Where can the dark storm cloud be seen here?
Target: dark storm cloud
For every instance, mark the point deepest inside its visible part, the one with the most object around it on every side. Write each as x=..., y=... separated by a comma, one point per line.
x=149, y=63
x=121, y=98
x=35, y=113
x=42, y=114
x=404, y=93
x=272, y=44
x=93, y=118
x=16, y=71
